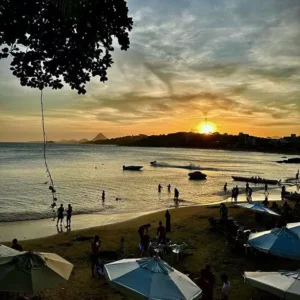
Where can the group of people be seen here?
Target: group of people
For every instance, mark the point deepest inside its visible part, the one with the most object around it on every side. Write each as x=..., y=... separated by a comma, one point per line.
x=60, y=215
x=207, y=282
x=148, y=245
x=176, y=192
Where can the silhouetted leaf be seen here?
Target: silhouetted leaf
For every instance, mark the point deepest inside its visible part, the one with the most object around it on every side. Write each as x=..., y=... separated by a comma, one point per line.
x=62, y=40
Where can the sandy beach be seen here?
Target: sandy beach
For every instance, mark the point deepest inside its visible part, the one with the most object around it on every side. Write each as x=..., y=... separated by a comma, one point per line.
x=189, y=225
x=33, y=229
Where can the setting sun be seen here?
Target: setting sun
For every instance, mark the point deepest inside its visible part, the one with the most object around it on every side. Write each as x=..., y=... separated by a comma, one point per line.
x=206, y=128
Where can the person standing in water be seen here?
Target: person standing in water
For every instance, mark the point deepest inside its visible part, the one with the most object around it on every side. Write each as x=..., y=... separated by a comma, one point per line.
x=169, y=188
x=266, y=187
x=225, y=187
x=69, y=215
x=103, y=196
x=176, y=195
x=159, y=188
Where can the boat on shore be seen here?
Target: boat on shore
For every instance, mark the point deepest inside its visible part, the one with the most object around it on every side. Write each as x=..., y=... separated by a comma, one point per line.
x=255, y=180
x=291, y=196
x=132, y=168
x=165, y=165
x=197, y=175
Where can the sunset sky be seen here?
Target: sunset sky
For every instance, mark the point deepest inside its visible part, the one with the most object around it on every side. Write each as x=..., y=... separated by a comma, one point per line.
x=236, y=62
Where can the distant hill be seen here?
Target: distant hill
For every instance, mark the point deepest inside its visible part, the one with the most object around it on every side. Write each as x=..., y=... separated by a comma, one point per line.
x=83, y=141
x=99, y=137
x=241, y=142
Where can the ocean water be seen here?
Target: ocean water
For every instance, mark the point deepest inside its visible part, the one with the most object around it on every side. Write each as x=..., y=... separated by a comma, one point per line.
x=81, y=172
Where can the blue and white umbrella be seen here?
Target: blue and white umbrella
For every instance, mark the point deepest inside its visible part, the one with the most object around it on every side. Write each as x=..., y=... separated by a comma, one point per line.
x=150, y=278
x=258, y=207
x=283, y=242
x=285, y=285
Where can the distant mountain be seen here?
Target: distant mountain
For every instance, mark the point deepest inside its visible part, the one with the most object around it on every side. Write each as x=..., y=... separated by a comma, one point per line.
x=64, y=141
x=83, y=141
x=99, y=137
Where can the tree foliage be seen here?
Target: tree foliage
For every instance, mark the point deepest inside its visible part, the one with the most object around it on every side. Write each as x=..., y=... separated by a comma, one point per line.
x=57, y=41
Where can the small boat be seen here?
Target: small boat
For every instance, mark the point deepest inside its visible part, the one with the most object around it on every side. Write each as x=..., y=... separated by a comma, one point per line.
x=197, y=175
x=291, y=196
x=132, y=168
x=255, y=180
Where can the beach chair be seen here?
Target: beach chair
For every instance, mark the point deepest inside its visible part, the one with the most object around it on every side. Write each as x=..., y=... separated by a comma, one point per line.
x=180, y=250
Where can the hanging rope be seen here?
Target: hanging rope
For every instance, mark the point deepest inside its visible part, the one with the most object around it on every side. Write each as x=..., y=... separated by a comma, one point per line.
x=51, y=186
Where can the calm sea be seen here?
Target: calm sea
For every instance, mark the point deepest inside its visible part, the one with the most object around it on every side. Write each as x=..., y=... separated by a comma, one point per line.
x=81, y=172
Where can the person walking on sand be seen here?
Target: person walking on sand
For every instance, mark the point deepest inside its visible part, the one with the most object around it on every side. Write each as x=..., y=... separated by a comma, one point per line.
x=169, y=188
x=297, y=175
x=69, y=215
x=60, y=214
x=176, y=194
x=225, y=187
x=103, y=196
x=232, y=194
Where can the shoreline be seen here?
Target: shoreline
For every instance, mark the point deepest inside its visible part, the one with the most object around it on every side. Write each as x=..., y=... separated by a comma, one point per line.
x=41, y=228
x=36, y=229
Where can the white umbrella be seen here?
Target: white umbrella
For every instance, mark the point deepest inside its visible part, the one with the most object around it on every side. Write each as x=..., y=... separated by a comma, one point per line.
x=283, y=242
x=6, y=251
x=285, y=285
x=294, y=227
x=257, y=207
x=150, y=278
x=30, y=271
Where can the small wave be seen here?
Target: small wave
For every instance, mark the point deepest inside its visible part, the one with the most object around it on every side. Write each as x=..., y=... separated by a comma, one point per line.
x=25, y=216
x=166, y=165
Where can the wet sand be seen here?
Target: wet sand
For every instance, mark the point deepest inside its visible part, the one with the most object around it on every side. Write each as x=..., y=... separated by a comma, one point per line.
x=33, y=229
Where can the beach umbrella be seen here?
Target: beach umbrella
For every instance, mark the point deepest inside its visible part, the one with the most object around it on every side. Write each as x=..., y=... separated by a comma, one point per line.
x=285, y=285
x=257, y=207
x=31, y=271
x=283, y=242
x=7, y=251
x=150, y=278
x=294, y=227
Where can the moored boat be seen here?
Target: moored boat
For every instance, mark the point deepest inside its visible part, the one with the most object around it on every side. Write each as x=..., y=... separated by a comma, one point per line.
x=132, y=168
x=197, y=175
x=255, y=180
